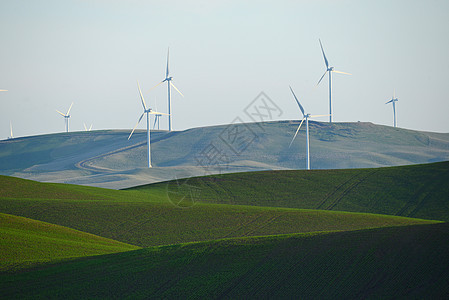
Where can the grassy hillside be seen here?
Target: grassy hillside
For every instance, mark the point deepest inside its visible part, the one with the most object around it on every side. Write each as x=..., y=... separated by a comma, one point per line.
x=25, y=242
x=418, y=191
x=148, y=219
x=401, y=262
x=108, y=159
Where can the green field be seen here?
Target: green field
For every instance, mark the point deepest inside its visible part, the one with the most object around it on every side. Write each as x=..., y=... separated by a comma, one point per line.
x=418, y=191
x=25, y=242
x=400, y=262
x=145, y=220
x=276, y=234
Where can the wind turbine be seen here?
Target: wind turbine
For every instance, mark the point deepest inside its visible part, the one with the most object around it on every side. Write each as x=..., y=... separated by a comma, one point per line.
x=149, y=112
x=66, y=117
x=305, y=117
x=10, y=128
x=168, y=79
x=393, y=100
x=85, y=127
x=156, y=117
x=330, y=70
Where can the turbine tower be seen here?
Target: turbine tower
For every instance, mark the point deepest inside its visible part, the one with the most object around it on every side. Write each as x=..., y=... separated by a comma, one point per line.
x=168, y=79
x=66, y=117
x=149, y=112
x=330, y=70
x=393, y=100
x=305, y=117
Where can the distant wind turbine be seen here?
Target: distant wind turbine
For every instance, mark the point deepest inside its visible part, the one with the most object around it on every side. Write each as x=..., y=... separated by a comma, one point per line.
x=330, y=70
x=156, y=117
x=10, y=128
x=85, y=127
x=393, y=100
x=66, y=117
x=149, y=112
x=305, y=117
x=169, y=79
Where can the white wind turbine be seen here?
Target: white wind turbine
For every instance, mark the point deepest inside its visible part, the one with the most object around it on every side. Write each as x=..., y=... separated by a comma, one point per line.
x=156, y=116
x=66, y=117
x=330, y=70
x=393, y=100
x=85, y=127
x=10, y=128
x=168, y=79
x=305, y=117
x=149, y=112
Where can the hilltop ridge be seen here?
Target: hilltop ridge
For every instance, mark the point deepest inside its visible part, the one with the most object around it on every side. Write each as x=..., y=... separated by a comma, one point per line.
x=107, y=159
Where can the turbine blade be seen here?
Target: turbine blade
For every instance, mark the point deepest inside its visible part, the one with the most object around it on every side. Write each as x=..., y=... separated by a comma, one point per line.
x=321, y=78
x=389, y=101
x=155, y=120
x=85, y=128
x=135, y=126
x=168, y=55
x=297, y=130
x=3, y=90
x=324, y=55
x=157, y=85
x=317, y=116
x=68, y=112
x=90, y=128
x=157, y=113
x=141, y=97
x=176, y=89
x=341, y=72
x=60, y=113
x=297, y=101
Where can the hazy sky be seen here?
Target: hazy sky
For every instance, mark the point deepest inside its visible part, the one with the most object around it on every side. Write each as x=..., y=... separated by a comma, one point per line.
x=222, y=55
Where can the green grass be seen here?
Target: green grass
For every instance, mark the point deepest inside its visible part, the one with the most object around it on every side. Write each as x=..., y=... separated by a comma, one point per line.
x=26, y=242
x=264, y=234
x=148, y=218
x=149, y=224
x=400, y=262
x=418, y=191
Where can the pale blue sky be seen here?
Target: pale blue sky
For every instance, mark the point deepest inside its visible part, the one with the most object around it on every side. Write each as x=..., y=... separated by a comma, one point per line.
x=223, y=54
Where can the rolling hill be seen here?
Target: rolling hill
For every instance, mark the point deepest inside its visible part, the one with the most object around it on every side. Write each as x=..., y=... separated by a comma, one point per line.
x=395, y=263
x=418, y=191
x=232, y=235
x=108, y=159
x=25, y=242
x=150, y=219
